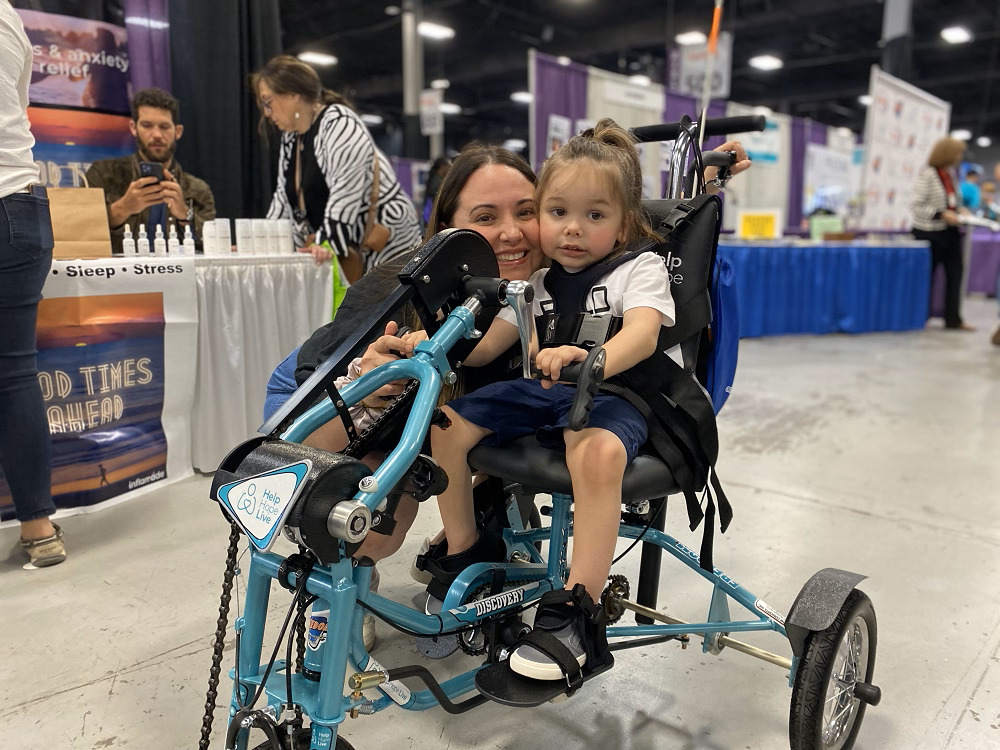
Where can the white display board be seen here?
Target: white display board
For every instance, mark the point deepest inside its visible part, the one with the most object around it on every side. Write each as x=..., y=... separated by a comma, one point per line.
x=827, y=180
x=765, y=186
x=901, y=127
x=630, y=105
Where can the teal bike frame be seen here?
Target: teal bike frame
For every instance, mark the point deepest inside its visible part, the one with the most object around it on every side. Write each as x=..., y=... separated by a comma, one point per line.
x=341, y=587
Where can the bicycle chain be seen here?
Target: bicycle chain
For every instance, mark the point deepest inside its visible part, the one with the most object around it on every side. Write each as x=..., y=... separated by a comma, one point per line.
x=359, y=446
x=220, y=635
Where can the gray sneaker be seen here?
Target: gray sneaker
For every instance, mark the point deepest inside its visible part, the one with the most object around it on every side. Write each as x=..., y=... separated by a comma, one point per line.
x=562, y=622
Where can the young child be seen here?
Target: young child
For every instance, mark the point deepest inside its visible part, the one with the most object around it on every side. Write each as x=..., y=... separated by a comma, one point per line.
x=588, y=200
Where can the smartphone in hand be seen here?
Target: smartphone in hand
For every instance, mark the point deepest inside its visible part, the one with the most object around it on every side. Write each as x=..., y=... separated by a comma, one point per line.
x=151, y=169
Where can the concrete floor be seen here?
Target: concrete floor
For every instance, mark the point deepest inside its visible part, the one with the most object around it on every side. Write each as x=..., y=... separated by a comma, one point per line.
x=874, y=453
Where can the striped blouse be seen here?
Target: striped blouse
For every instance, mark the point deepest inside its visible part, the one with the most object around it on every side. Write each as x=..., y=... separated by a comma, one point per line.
x=928, y=200
x=344, y=152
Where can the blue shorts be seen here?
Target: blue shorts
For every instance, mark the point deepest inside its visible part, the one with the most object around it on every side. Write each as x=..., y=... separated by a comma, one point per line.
x=515, y=408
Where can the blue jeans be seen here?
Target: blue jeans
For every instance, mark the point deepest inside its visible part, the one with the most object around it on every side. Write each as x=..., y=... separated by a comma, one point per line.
x=25, y=446
x=281, y=384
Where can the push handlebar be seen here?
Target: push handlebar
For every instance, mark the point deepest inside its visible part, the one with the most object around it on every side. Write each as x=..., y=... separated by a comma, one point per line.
x=718, y=126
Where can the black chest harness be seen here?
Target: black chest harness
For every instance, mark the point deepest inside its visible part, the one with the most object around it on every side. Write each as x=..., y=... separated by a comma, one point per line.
x=677, y=410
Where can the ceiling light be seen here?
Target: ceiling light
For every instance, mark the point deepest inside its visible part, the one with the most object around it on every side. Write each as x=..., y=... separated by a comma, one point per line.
x=984, y=141
x=865, y=99
x=956, y=35
x=435, y=30
x=440, y=83
x=563, y=60
x=639, y=80
x=961, y=134
x=689, y=38
x=317, y=58
x=515, y=144
x=372, y=119
x=448, y=108
x=522, y=97
x=766, y=62
x=393, y=10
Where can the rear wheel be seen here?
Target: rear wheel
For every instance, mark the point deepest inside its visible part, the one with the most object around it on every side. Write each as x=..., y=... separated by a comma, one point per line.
x=826, y=714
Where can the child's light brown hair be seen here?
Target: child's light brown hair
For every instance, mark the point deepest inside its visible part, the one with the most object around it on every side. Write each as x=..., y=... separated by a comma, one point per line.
x=612, y=149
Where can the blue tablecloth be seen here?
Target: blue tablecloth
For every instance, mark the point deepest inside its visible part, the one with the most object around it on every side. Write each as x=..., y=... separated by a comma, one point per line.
x=829, y=287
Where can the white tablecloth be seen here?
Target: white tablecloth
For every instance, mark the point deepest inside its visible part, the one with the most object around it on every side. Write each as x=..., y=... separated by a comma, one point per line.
x=252, y=311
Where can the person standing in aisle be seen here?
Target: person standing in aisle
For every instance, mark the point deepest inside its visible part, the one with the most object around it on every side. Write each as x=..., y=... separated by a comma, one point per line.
x=935, y=205
x=25, y=259
x=329, y=170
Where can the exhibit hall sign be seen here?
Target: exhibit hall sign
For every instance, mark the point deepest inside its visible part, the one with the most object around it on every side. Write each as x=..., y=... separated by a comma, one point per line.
x=117, y=348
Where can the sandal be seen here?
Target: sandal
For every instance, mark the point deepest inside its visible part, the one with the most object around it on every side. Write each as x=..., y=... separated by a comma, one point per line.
x=46, y=551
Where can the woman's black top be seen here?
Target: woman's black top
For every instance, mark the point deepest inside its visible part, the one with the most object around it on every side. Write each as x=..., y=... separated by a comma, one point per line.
x=315, y=192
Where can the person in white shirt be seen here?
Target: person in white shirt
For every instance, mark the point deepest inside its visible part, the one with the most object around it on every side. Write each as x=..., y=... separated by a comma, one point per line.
x=25, y=258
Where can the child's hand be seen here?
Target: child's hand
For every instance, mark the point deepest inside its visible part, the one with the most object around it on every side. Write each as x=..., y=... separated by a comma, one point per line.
x=551, y=361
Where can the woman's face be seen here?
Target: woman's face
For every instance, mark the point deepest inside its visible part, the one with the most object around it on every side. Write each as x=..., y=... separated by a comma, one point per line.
x=278, y=108
x=498, y=202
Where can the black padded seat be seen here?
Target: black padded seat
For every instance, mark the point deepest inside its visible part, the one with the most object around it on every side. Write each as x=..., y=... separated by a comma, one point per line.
x=526, y=462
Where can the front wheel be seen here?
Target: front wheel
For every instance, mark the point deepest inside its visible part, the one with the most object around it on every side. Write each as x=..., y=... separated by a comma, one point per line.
x=825, y=713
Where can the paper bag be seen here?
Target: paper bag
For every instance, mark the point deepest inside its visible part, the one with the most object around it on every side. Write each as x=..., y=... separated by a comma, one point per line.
x=79, y=223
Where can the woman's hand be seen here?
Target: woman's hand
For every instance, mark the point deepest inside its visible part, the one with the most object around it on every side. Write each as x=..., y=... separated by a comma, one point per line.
x=319, y=253
x=551, y=361
x=742, y=164
x=388, y=348
x=950, y=217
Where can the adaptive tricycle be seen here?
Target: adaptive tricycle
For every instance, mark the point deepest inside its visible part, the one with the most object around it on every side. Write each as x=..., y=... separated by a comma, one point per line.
x=327, y=503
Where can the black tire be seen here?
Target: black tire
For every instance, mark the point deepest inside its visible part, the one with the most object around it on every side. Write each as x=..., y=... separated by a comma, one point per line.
x=301, y=740
x=825, y=715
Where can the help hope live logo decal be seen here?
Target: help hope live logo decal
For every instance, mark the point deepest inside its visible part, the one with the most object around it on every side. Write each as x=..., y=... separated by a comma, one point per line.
x=260, y=504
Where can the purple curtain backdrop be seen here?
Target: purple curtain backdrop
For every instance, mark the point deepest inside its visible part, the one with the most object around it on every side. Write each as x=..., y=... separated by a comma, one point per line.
x=559, y=90
x=803, y=132
x=148, y=25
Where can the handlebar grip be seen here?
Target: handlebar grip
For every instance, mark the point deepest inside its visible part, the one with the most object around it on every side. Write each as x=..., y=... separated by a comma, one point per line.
x=717, y=126
x=492, y=291
x=588, y=376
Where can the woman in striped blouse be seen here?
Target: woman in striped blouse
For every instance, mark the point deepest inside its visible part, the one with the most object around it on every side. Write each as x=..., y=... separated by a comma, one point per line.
x=936, y=205
x=326, y=170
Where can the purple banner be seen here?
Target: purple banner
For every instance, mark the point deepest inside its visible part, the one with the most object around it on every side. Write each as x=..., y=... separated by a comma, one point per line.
x=560, y=91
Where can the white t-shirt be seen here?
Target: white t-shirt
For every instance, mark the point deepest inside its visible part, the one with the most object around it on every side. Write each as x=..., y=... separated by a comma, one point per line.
x=642, y=282
x=17, y=168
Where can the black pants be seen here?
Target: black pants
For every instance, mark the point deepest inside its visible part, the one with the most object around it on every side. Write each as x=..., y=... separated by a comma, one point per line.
x=946, y=250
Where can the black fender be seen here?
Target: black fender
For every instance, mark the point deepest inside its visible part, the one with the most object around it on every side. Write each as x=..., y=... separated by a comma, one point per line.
x=817, y=604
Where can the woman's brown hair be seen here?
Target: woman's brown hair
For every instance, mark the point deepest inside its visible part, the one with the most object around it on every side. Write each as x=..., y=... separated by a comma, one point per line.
x=472, y=158
x=285, y=74
x=946, y=152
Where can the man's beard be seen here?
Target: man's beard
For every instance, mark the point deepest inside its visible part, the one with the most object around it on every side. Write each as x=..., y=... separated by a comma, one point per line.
x=168, y=155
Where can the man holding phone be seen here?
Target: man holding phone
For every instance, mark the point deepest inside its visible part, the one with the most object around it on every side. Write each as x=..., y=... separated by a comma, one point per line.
x=150, y=187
